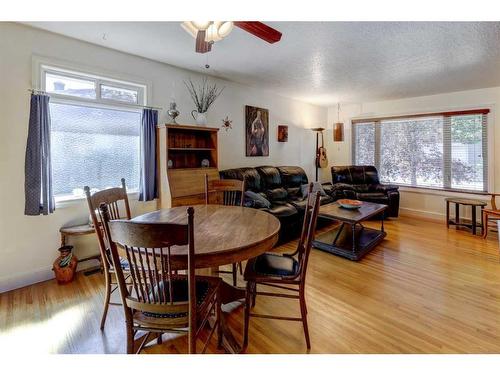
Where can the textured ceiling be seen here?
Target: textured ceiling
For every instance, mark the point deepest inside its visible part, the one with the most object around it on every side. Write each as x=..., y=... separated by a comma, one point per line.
x=322, y=62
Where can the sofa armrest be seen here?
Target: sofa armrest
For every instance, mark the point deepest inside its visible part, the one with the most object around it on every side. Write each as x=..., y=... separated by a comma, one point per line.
x=341, y=186
x=327, y=187
x=385, y=188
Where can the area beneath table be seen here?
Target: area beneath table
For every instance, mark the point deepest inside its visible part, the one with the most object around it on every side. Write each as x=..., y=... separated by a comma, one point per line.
x=342, y=243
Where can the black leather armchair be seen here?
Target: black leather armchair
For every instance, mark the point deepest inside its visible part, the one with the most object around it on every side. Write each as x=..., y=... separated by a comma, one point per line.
x=361, y=182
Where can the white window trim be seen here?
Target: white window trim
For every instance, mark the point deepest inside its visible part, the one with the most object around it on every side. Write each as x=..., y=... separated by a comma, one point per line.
x=430, y=191
x=40, y=65
x=98, y=81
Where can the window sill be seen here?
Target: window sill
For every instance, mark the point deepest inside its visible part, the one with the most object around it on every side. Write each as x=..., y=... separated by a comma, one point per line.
x=74, y=201
x=440, y=192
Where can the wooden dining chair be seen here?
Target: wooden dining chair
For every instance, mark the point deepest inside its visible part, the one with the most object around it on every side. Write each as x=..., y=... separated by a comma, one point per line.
x=490, y=214
x=228, y=193
x=116, y=200
x=161, y=300
x=286, y=272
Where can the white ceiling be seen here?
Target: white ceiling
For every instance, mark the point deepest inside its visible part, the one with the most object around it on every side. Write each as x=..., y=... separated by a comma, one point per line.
x=322, y=62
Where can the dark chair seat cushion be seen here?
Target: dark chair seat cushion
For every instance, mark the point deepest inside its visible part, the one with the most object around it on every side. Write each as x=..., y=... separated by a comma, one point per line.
x=180, y=293
x=271, y=264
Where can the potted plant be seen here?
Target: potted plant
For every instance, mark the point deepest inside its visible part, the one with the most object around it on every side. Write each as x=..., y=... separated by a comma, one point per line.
x=203, y=96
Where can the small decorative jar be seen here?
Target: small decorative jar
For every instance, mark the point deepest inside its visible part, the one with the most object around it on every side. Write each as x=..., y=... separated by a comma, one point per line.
x=64, y=266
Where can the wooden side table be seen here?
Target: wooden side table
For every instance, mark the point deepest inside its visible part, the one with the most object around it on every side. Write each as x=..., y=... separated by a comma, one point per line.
x=474, y=203
x=81, y=230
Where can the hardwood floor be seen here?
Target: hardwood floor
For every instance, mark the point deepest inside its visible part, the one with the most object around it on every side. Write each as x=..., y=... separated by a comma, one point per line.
x=425, y=289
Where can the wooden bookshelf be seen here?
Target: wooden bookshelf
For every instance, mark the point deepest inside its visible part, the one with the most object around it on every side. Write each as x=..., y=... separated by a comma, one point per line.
x=186, y=147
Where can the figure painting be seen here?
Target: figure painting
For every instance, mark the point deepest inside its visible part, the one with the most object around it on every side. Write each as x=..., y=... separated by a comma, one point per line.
x=257, y=131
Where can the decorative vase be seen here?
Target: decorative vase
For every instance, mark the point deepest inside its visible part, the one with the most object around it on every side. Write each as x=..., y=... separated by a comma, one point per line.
x=173, y=112
x=64, y=266
x=199, y=117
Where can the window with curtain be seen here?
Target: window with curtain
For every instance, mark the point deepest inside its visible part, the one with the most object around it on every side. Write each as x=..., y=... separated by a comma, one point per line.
x=439, y=150
x=95, y=133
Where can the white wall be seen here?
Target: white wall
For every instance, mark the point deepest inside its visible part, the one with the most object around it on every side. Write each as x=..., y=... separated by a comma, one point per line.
x=29, y=244
x=418, y=201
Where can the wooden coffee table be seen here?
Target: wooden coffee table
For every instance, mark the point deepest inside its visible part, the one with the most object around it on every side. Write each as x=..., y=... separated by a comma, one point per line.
x=351, y=239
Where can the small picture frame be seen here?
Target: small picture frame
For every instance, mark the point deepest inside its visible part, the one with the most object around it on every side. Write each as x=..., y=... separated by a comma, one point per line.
x=282, y=133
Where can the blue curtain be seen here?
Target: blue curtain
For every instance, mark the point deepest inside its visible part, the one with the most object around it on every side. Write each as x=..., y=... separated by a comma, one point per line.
x=148, y=186
x=39, y=198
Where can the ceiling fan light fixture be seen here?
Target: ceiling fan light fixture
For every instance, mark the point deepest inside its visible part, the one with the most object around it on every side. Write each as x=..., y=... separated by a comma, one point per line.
x=201, y=25
x=225, y=28
x=212, y=34
x=218, y=30
x=189, y=28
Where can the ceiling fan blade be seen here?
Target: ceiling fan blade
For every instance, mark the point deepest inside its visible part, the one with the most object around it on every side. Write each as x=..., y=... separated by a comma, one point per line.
x=260, y=30
x=201, y=45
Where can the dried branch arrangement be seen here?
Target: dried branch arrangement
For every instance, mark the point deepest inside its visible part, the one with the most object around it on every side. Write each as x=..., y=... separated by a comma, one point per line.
x=204, y=94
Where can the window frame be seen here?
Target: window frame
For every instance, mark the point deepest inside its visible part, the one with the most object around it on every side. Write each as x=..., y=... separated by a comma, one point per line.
x=488, y=177
x=98, y=81
x=42, y=66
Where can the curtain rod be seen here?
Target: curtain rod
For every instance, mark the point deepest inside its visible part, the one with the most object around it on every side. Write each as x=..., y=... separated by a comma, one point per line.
x=482, y=111
x=37, y=91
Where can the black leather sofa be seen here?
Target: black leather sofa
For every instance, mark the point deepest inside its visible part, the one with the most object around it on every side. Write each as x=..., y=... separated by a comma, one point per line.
x=361, y=182
x=281, y=186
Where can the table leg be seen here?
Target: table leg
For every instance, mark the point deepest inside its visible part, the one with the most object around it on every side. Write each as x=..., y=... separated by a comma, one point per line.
x=457, y=214
x=353, y=228
x=382, y=226
x=473, y=219
x=447, y=214
x=482, y=221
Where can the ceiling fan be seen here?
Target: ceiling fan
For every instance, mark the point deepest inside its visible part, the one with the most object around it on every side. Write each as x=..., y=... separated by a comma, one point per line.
x=207, y=33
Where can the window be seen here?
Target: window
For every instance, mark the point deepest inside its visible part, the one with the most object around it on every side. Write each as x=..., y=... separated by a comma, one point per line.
x=95, y=133
x=443, y=150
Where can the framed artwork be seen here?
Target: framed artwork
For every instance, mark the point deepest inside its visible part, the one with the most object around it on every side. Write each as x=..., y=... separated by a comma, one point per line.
x=282, y=133
x=256, y=131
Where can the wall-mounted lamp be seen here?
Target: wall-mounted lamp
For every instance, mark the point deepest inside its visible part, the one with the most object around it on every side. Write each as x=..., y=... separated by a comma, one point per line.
x=338, y=128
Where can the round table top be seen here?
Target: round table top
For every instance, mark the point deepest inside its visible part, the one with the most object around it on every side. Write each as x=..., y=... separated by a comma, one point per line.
x=222, y=234
x=468, y=202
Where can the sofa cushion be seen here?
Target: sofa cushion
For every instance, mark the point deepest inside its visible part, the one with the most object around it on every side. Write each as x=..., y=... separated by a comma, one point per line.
x=249, y=175
x=270, y=177
x=355, y=174
x=292, y=177
x=294, y=192
x=277, y=194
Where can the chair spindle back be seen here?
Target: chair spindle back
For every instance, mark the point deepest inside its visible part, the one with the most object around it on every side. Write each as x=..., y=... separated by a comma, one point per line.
x=226, y=192
x=113, y=198
x=147, y=247
x=308, y=230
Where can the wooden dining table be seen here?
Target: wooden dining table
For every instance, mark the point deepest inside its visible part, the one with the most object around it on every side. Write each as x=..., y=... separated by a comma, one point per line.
x=223, y=235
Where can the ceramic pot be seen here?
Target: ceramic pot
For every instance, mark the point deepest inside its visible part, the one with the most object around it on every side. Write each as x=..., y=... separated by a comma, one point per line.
x=65, y=265
x=199, y=117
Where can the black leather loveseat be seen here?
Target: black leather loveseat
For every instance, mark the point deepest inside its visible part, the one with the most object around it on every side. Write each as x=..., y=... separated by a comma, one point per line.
x=361, y=182
x=281, y=186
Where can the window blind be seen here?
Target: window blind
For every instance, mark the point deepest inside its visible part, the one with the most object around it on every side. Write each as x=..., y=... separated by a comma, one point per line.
x=438, y=150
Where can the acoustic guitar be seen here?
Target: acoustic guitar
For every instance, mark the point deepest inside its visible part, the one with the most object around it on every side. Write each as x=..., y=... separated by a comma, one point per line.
x=321, y=158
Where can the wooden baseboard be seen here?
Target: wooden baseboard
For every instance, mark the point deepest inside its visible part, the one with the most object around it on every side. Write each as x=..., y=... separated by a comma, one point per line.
x=421, y=214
